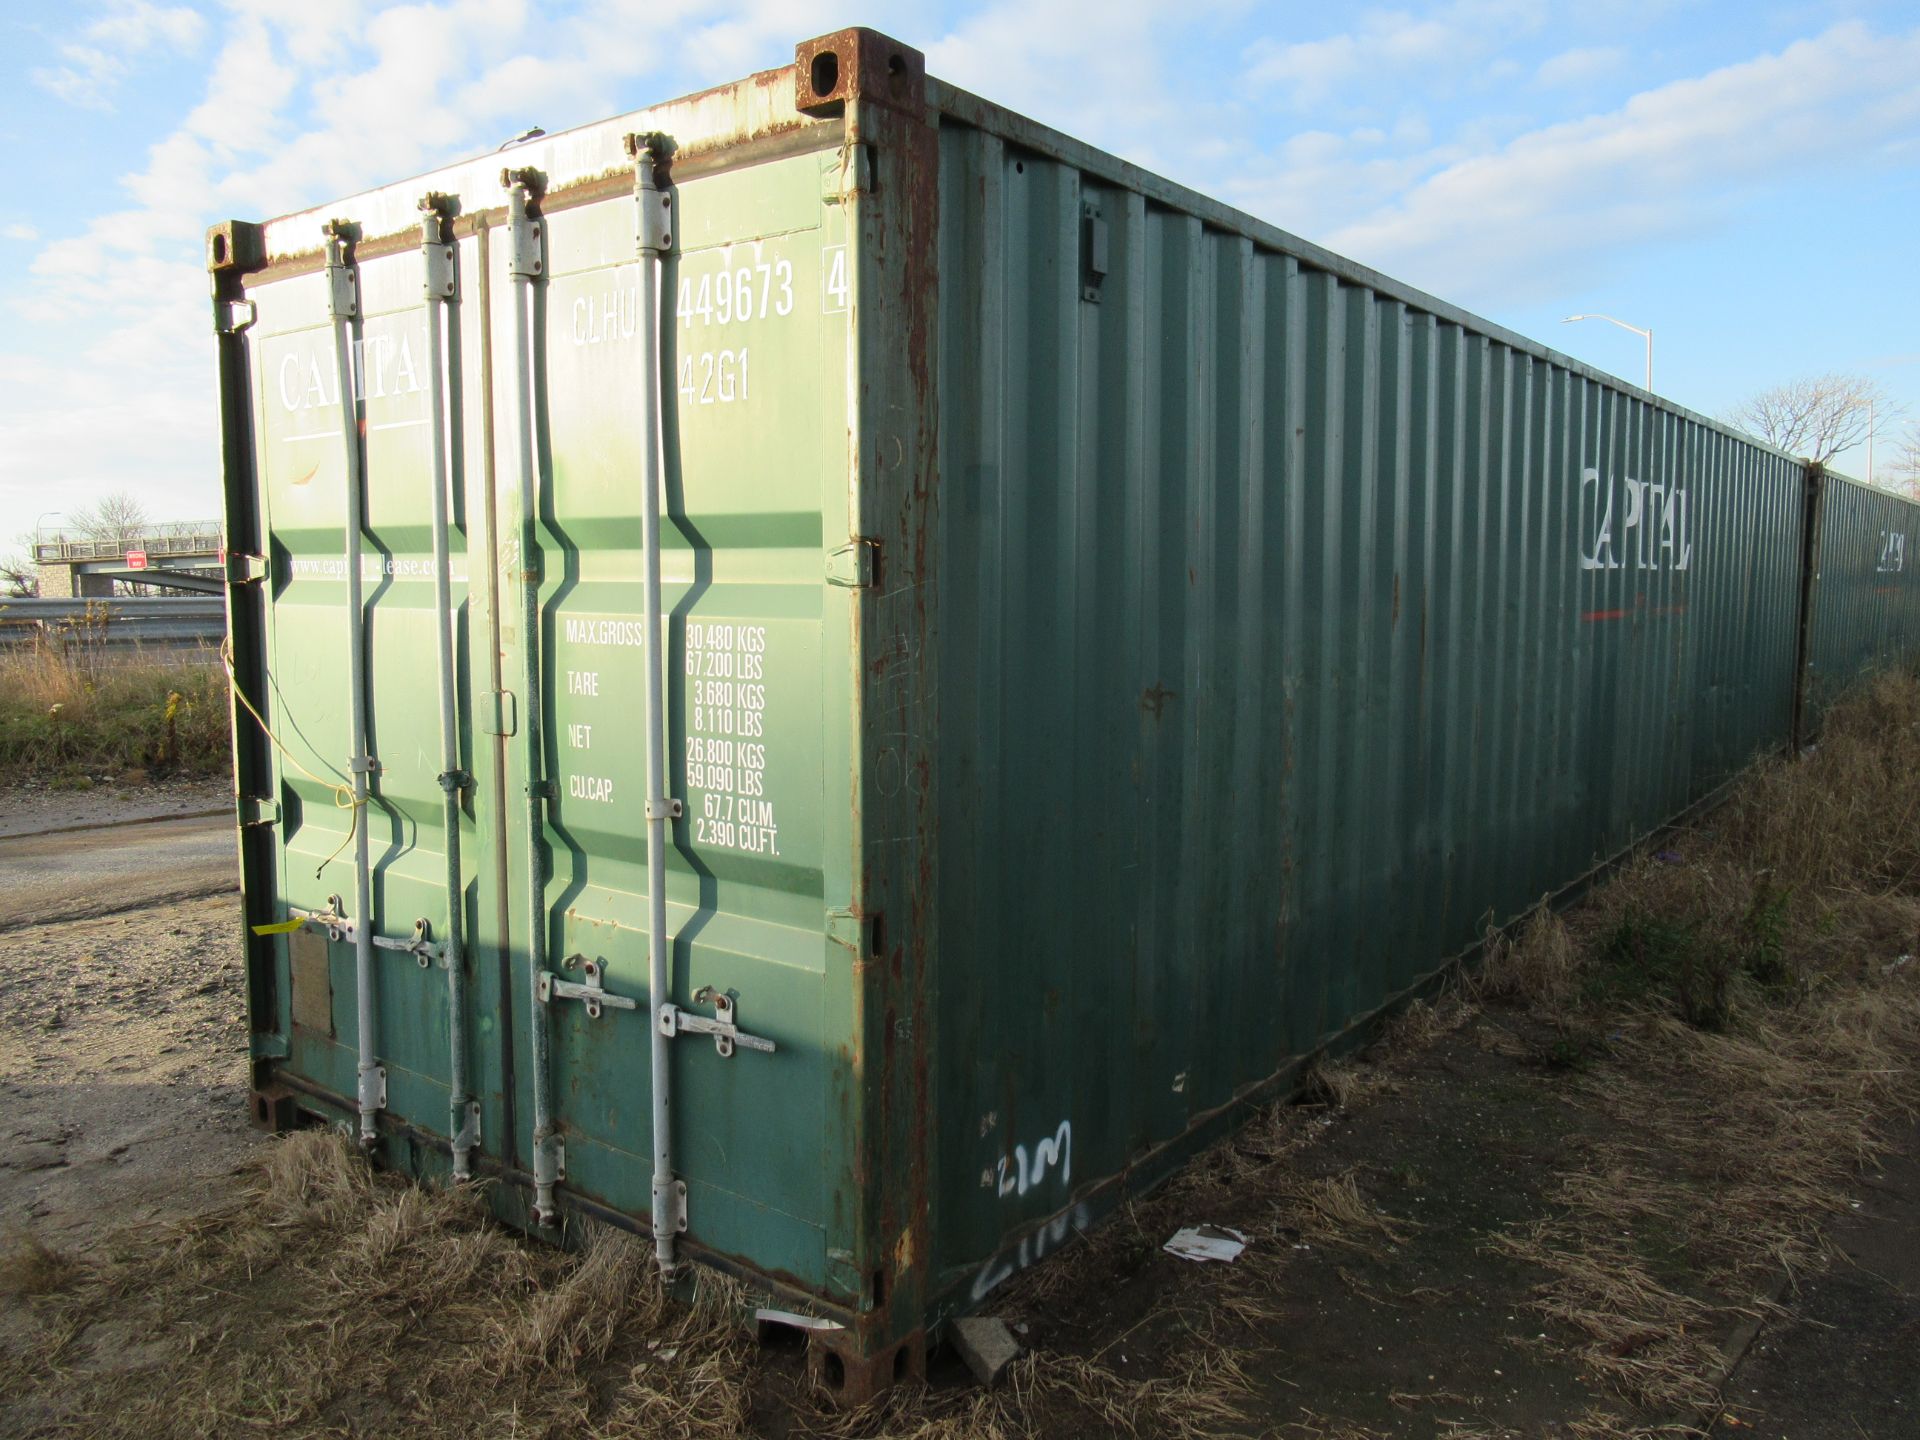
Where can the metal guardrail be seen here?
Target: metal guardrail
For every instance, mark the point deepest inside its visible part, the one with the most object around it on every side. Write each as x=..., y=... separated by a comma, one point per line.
x=190, y=626
x=63, y=551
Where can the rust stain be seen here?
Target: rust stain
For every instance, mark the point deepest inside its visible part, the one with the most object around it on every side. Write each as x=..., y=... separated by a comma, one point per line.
x=773, y=136
x=1154, y=699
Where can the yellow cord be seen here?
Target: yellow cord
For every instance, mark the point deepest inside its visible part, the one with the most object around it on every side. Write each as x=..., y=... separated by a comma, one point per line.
x=343, y=796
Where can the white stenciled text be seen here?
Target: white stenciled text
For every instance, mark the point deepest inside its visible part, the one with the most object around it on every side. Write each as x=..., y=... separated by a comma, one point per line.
x=1629, y=524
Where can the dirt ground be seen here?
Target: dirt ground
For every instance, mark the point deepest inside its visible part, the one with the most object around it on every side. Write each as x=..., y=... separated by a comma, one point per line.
x=1413, y=1268
x=122, y=1035
x=122, y=1067
x=28, y=810
x=1845, y=1362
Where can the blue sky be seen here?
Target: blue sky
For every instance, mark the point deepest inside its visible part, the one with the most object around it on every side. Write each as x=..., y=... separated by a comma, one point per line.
x=1742, y=177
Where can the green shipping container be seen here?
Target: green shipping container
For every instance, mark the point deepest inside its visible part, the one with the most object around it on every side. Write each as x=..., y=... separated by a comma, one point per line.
x=1106, y=649
x=1864, y=600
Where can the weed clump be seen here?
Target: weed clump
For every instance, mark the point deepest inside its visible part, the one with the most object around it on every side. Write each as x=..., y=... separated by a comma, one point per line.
x=67, y=717
x=1694, y=963
x=30, y=1267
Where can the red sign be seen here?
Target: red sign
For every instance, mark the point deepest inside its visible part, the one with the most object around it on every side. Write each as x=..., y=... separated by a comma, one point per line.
x=136, y=559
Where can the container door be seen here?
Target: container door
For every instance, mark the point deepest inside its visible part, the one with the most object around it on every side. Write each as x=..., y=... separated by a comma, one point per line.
x=759, y=705
x=300, y=459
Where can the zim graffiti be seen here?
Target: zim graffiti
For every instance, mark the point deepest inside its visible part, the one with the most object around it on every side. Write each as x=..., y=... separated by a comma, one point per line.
x=1018, y=1174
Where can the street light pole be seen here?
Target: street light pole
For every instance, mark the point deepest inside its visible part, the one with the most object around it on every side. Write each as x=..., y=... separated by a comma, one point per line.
x=1647, y=335
x=1869, y=442
x=41, y=518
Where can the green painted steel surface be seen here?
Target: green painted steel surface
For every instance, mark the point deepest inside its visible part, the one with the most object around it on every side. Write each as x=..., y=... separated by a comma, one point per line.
x=1290, y=634
x=1866, y=592
x=1115, y=647
x=759, y=645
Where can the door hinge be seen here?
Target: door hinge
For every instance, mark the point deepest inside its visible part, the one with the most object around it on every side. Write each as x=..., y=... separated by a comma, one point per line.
x=653, y=207
x=243, y=568
x=343, y=288
x=258, y=810
x=1093, y=250
x=524, y=257
x=846, y=172
x=498, y=715
x=230, y=317
x=852, y=565
x=854, y=931
x=436, y=245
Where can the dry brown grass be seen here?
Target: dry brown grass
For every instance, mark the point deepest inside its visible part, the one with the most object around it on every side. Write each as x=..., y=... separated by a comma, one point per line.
x=1758, y=1029
x=327, y=1294
x=329, y=1299
x=68, y=716
x=1845, y=817
x=1535, y=961
x=29, y=1267
x=1424, y=1021
x=1332, y=1210
x=1206, y=1394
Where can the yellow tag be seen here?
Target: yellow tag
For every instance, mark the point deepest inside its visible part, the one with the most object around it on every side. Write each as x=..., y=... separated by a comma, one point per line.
x=283, y=927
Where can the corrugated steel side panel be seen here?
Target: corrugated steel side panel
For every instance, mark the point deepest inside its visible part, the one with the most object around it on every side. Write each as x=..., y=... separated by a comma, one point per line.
x=1289, y=633
x=1866, y=594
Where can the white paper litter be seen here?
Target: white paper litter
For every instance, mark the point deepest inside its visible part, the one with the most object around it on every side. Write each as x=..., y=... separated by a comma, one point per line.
x=1206, y=1242
x=798, y=1322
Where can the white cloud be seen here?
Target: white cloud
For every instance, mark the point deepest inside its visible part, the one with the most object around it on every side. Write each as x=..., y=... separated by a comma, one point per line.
x=302, y=101
x=1311, y=70
x=20, y=230
x=132, y=27
x=85, y=87
x=102, y=56
x=1350, y=68
x=1578, y=67
x=1088, y=67
x=249, y=87
x=1316, y=181
x=1672, y=159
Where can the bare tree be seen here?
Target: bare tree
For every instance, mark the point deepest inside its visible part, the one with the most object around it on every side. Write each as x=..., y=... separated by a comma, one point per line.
x=1818, y=417
x=19, y=577
x=185, y=529
x=117, y=516
x=1902, y=471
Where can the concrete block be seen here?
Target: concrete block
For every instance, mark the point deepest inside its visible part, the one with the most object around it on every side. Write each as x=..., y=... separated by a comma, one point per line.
x=986, y=1345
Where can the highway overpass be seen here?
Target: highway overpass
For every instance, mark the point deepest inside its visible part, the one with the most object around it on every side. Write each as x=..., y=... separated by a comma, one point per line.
x=87, y=569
